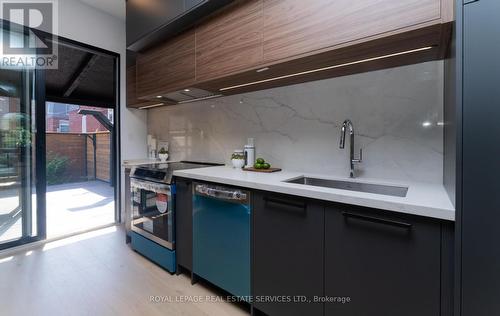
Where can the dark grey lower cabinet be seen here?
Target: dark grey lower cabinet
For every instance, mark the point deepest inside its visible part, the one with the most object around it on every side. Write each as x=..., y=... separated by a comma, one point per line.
x=288, y=243
x=184, y=223
x=387, y=264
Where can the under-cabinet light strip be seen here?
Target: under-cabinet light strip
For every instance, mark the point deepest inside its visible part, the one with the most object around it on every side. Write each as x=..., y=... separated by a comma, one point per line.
x=327, y=68
x=200, y=99
x=181, y=102
x=151, y=106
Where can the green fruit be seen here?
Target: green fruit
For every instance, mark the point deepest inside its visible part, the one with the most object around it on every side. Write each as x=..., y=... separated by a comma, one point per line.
x=258, y=166
x=266, y=165
x=260, y=161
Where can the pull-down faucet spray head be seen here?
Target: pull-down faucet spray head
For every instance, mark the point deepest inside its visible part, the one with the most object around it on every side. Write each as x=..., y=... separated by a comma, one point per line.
x=347, y=123
x=342, y=136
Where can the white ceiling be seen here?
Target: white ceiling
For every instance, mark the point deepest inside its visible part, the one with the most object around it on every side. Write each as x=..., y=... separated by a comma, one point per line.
x=113, y=7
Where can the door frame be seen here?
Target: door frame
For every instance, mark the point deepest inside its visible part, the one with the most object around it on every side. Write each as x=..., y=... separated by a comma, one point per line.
x=116, y=140
x=40, y=178
x=40, y=142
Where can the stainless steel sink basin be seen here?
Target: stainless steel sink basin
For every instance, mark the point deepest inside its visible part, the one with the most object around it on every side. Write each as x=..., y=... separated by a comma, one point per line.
x=352, y=186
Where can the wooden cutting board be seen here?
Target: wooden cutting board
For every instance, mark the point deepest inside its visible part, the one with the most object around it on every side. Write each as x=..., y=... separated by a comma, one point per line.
x=270, y=170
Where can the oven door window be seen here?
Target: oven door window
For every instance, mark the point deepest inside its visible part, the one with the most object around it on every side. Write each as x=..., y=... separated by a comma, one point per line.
x=153, y=215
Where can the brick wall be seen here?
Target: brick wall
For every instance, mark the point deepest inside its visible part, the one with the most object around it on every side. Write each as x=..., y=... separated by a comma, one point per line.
x=52, y=124
x=93, y=125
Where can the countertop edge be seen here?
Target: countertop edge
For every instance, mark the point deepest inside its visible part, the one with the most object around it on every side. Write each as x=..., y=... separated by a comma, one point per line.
x=401, y=207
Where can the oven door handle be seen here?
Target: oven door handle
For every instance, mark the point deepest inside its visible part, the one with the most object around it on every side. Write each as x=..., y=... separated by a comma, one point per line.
x=150, y=186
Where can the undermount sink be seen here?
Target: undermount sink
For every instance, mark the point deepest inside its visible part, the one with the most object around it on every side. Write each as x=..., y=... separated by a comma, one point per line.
x=352, y=186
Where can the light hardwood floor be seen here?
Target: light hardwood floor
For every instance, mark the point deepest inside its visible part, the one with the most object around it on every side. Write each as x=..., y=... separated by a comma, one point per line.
x=97, y=274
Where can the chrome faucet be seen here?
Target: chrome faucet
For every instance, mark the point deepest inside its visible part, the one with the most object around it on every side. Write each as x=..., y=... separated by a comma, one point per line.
x=352, y=160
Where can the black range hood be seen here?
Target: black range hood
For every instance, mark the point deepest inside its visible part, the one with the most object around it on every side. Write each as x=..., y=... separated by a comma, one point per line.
x=150, y=22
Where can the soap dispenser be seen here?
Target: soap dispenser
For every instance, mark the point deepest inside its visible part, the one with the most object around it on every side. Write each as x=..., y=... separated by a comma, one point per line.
x=249, y=153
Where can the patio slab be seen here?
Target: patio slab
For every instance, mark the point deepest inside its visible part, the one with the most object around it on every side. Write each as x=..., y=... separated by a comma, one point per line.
x=71, y=208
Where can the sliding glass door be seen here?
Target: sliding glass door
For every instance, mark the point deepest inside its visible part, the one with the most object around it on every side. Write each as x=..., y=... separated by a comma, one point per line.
x=34, y=151
x=21, y=206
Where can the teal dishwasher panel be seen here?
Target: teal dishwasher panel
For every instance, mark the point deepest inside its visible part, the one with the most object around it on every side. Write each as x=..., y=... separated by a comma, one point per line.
x=221, y=243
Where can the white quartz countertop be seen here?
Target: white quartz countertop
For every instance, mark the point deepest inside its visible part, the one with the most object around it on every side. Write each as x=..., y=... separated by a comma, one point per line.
x=145, y=161
x=424, y=199
x=138, y=162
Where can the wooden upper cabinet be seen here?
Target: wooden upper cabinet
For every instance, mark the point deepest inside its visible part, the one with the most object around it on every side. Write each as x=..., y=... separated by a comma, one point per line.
x=223, y=52
x=132, y=100
x=295, y=27
x=131, y=87
x=167, y=67
x=230, y=41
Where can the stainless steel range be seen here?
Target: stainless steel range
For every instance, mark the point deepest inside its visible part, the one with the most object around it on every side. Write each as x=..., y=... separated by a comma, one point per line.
x=152, y=218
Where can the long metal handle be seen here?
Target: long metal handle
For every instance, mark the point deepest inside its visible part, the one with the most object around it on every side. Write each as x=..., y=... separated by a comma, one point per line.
x=377, y=220
x=235, y=195
x=298, y=205
x=150, y=186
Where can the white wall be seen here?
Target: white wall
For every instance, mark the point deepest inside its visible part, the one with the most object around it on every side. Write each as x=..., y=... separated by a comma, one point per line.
x=397, y=115
x=83, y=23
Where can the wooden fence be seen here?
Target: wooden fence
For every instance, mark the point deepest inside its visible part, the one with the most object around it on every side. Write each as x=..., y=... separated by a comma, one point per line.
x=100, y=167
x=88, y=155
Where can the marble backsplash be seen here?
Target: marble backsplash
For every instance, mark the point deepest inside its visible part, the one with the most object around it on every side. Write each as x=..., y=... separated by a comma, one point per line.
x=397, y=115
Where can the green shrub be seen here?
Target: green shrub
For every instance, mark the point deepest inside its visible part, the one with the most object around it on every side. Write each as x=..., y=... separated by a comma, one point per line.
x=56, y=169
x=17, y=137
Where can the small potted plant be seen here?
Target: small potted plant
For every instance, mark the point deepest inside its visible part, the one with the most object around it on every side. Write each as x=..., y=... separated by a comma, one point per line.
x=238, y=159
x=163, y=154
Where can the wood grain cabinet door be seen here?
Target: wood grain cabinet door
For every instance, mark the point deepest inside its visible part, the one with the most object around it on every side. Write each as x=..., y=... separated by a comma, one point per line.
x=230, y=41
x=131, y=87
x=168, y=67
x=132, y=100
x=292, y=27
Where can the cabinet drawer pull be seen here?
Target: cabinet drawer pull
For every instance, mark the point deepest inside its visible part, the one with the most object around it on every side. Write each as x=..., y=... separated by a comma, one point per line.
x=299, y=205
x=377, y=220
